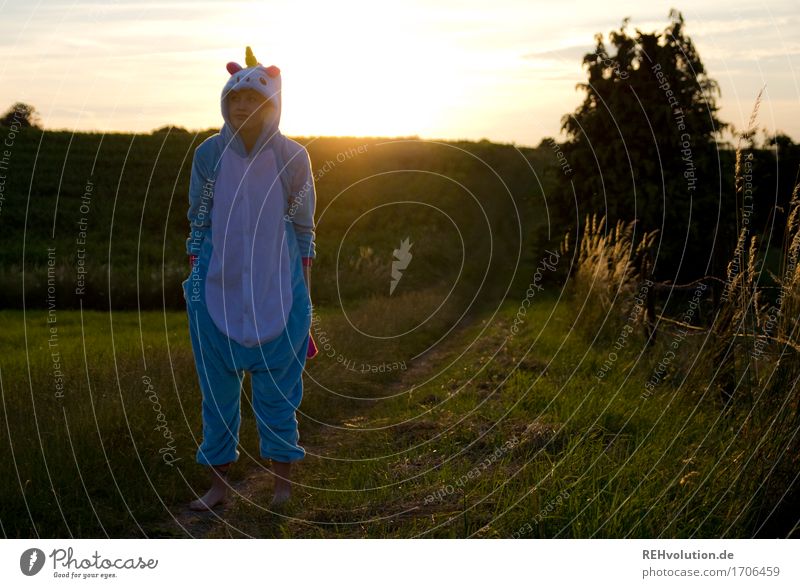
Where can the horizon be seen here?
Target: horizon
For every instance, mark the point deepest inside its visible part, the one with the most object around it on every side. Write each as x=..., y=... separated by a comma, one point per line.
x=523, y=66
x=723, y=145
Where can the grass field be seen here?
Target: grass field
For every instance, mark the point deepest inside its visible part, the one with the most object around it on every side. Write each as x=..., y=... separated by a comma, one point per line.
x=107, y=213
x=486, y=418
x=477, y=438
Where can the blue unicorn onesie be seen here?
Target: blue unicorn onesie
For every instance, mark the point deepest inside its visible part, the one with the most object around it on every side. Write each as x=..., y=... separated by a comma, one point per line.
x=251, y=232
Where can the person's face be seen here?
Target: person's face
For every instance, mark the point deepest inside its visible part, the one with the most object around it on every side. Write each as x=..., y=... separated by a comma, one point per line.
x=248, y=110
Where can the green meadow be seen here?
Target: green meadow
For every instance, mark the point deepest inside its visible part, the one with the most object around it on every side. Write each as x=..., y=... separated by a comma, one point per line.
x=495, y=435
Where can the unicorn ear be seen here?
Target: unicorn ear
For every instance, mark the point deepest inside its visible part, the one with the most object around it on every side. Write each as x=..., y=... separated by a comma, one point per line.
x=273, y=71
x=233, y=67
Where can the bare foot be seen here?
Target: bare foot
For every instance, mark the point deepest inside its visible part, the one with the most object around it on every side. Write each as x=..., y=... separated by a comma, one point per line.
x=218, y=494
x=209, y=500
x=280, y=498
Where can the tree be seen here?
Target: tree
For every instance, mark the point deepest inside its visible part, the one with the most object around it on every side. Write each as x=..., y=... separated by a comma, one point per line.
x=781, y=141
x=21, y=114
x=642, y=146
x=169, y=129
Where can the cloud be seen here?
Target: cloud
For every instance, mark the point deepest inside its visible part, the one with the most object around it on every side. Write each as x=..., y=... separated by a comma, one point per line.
x=572, y=77
x=571, y=53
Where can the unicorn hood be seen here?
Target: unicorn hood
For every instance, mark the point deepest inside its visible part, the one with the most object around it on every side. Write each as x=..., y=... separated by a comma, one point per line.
x=267, y=82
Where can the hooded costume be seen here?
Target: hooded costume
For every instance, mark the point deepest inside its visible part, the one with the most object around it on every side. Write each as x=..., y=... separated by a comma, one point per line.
x=252, y=229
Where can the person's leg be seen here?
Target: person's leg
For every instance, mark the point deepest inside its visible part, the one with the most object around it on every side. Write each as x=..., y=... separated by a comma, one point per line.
x=276, y=395
x=276, y=369
x=220, y=385
x=283, y=482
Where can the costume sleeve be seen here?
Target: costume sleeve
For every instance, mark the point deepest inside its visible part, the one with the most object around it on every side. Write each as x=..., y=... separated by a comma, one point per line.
x=302, y=207
x=201, y=191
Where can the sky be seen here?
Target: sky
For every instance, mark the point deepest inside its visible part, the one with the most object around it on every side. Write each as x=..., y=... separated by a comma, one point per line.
x=503, y=70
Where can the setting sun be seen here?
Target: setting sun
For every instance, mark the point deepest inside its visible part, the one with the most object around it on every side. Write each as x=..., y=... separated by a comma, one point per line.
x=503, y=72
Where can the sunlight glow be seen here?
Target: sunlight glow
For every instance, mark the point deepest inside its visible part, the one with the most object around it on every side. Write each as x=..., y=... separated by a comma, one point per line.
x=505, y=71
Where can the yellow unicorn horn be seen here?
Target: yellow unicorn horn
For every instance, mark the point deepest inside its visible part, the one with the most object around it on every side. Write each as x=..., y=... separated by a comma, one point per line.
x=250, y=59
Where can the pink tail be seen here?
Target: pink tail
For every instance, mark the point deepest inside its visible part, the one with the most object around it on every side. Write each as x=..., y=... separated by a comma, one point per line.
x=312, y=347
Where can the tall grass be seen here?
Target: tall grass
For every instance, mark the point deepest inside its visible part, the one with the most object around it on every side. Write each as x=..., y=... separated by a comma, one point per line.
x=755, y=351
x=744, y=364
x=609, y=270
